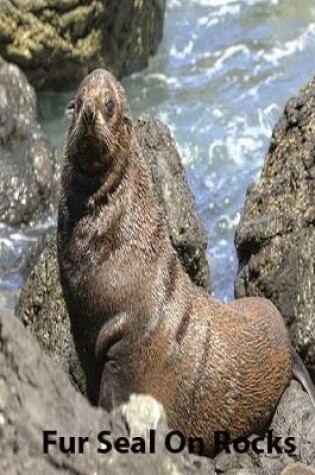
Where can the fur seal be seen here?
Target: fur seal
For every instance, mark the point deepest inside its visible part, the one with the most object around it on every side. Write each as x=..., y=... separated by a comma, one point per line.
x=139, y=323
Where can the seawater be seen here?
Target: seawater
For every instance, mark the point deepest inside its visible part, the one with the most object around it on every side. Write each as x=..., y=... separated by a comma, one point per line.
x=220, y=80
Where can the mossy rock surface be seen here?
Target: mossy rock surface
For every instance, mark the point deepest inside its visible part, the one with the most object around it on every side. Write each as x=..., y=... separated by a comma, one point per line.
x=57, y=42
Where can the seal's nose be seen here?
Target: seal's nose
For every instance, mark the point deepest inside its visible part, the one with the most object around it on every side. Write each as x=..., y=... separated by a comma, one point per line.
x=89, y=110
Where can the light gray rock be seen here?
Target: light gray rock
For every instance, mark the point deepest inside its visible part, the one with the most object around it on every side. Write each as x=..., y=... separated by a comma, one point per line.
x=27, y=166
x=36, y=396
x=169, y=176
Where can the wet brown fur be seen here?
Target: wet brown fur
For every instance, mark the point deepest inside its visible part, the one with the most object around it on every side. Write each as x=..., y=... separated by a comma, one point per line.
x=139, y=323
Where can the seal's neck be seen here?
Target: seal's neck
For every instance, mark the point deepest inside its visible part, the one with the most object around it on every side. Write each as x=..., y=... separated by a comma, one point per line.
x=89, y=192
x=105, y=180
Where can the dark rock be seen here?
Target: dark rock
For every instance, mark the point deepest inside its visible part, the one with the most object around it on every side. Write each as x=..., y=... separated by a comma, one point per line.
x=41, y=306
x=275, y=240
x=186, y=232
x=36, y=396
x=27, y=167
x=42, y=309
x=57, y=42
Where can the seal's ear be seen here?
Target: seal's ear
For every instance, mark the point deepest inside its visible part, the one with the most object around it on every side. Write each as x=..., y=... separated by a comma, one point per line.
x=128, y=124
x=70, y=109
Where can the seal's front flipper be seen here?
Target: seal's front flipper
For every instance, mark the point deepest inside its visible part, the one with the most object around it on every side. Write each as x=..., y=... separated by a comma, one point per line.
x=301, y=374
x=113, y=330
x=111, y=352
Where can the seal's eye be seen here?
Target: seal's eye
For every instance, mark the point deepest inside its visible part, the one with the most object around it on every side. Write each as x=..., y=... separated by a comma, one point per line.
x=109, y=107
x=79, y=102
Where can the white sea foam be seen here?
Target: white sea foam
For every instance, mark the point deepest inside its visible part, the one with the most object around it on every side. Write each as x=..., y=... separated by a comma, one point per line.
x=19, y=237
x=184, y=52
x=215, y=3
x=305, y=40
x=229, y=222
x=217, y=113
x=228, y=10
x=235, y=147
x=173, y=4
x=228, y=53
x=6, y=243
x=208, y=22
x=228, y=3
x=188, y=152
x=254, y=91
x=224, y=7
x=242, y=137
x=170, y=81
x=47, y=223
x=256, y=2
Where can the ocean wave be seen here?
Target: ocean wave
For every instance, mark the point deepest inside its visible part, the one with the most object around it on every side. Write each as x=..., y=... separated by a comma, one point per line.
x=186, y=51
x=6, y=242
x=228, y=222
x=228, y=53
x=226, y=4
x=163, y=78
x=242, y=137
x=305, y=40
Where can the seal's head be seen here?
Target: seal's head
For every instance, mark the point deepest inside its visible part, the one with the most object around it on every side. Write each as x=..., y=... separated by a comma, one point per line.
x=101, y=126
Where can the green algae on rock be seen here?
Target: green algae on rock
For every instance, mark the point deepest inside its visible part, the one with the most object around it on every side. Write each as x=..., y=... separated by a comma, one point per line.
x=56, y=42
